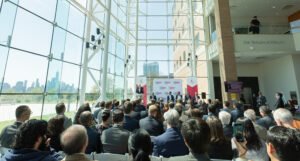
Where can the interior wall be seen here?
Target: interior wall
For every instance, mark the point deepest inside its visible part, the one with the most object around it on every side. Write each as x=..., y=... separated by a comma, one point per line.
x=297, y=40
x=277, y=75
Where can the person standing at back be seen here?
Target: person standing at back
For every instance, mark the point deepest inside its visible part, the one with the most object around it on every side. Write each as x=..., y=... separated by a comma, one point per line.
x=279, y=101
x=254, y=25
x=8, y=133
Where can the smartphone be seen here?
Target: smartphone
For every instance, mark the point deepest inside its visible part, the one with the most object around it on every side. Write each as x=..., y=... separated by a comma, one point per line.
x=238, y=131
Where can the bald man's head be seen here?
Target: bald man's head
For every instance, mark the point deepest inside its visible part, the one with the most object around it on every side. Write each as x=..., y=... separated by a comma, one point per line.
x=86, y=118
x=74, y=140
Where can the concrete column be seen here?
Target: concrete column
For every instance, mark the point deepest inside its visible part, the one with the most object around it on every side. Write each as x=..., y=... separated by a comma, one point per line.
x=227, y=63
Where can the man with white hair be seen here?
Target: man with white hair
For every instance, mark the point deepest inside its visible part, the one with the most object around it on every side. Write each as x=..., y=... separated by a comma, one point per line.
x=283, y=117
x=225, y=118
x=261, y=131
x=171, y=142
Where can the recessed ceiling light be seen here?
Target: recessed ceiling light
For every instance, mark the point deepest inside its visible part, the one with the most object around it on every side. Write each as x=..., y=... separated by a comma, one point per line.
x=273, y=6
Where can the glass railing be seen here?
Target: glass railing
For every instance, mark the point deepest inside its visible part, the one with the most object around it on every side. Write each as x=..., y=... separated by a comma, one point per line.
x=264, y=29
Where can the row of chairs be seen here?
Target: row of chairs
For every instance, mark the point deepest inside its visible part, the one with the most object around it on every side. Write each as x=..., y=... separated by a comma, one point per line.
x=106, y=156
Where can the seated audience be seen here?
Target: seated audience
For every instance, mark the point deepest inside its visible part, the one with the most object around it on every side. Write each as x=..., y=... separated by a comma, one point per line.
x=211, y=111
x=159, y=115
x=226, y=106
x=99, y=108
x=139, y=145
x=296, y=123
x=134, y=113
x=171, y=142
x=267, y=119
x=129, y=124
x=105, y=122
x=74, y=141
x=60, y=110
x=196, y=135
x=8, y=133
x=220, y=146
x=225, y=118
x=139, y=106
x=283, y=117
x=108, y=107
x=31, y=144
x=197, y=114
x=55, y=128
x=94, y=142
x=152, y=125
x=236, y=112
x=116, y=105
x=82, y=108
x=115, y=139
x=283, y=144
x=171, y=106
x=253, y=147
x=261, y=131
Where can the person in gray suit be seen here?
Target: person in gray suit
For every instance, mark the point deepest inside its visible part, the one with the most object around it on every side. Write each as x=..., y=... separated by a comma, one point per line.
x=151, y=124
x=196, y=135
x=267, y=119
x=115, y=139
x=261, y=131
x=7, y=136
x=60, y=110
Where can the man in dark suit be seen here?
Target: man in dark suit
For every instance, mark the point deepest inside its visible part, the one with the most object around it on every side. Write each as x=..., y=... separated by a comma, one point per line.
x=129, y=124
x=135, y=114
x=153, y=97
x=60, y=110
x=267, y=119
x=196, y=98
x=279, y=103
x=115, y=139
x=178, y=96
x=261, y=100
x=225, y=118
x=139, y=106
x=226, y=107
x=186, y=98
x=211, y=111
x=196, y=136
x=236, y=112
x=8, y=133
x=153, y=126
x=139, y=91
x=170, y=97
x=171, y=142
x=94, y=142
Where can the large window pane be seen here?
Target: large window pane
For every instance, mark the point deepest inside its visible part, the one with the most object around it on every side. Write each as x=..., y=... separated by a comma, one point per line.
x=7, y=18
x=62, y=13
x=58, y=43
x=76, y=21
x=23, y=75
x=43, y=8
x=32, y=33
x=54, y=76
x=157, y=53
x=73, y=49
x=3, y=58
x=69, y=78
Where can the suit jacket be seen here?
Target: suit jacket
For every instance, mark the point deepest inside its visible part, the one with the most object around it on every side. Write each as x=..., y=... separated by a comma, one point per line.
x=186, y=98
x=261, y=100
x=7, y=136
x=266, y=122
x=279, y=103
x=191, y=157
x=94, y=142
x=76, y=157
x=140, y=90
x=153, y=97
x=172, y=98
x=169, y=144
x=115, y=140
x=140, y=108
x=135, y=115
x=31, y=155
x=176, y=97
x=130, y=124
x=226, y=109
x=194, y=98
x=153, y=126
x=228, y=131
x=236, y=113
x=261, y=131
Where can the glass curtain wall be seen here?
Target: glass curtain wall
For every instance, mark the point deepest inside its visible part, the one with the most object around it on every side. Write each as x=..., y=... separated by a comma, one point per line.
x=42, y=44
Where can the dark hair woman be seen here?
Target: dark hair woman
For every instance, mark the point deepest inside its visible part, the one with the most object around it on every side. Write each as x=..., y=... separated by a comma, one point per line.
x=220, y=147
x=54, y=129
x=255, y=147
x=139, y=145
